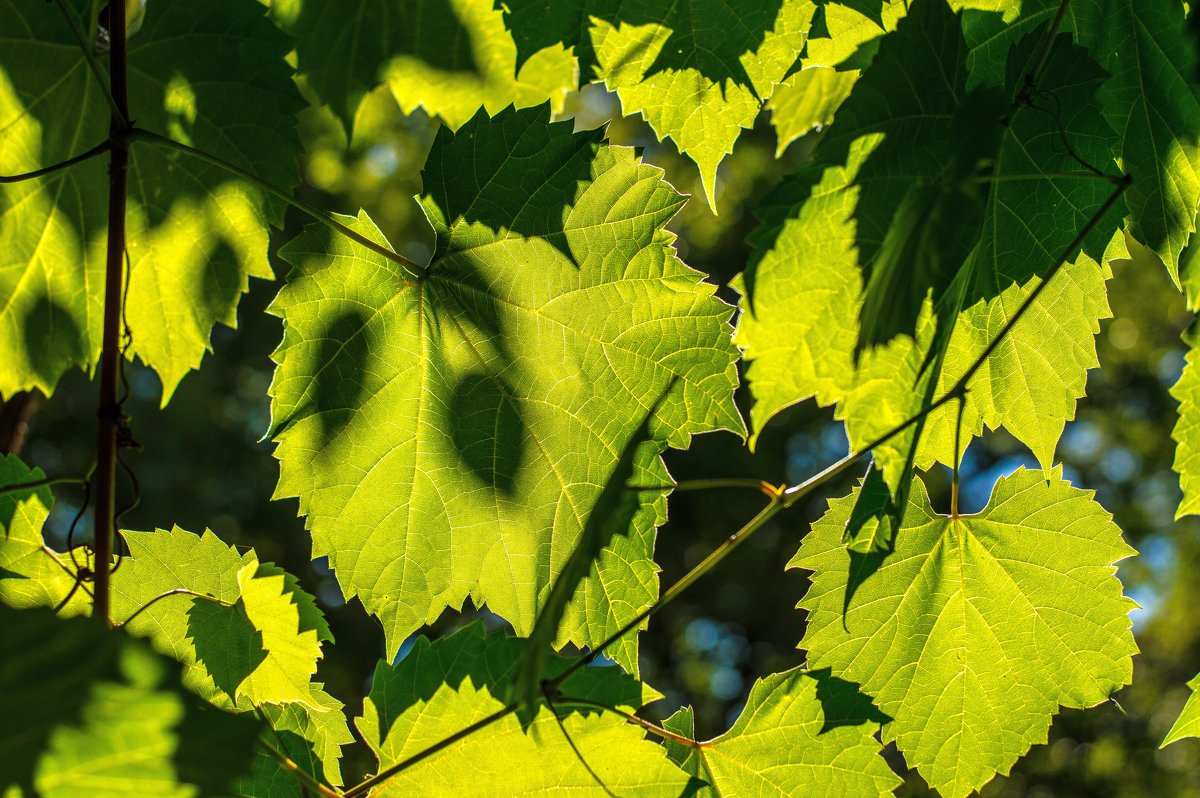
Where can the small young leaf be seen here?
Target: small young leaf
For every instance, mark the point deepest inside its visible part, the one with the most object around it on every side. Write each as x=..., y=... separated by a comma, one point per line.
x=800, y=733
x=247, y=635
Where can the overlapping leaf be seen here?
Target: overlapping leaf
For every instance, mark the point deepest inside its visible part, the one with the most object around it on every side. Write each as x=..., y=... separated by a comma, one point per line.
x=799, y=734
x=1152, y=102
x=449, y=57
x=311, y=735
x=697, y=72
x=839, y=237
x=447, y=436
x=1188, y=722
x=245, y=632
x=441, y=688
x=89, y=709
x=977, y=628
x=31, y=573
x=213, y=77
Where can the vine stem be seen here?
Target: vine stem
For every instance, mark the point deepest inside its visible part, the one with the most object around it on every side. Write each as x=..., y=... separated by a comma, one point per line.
x=1016, y=177
x=99, y=149
x=298, y=772
x=41, y=483
x=411, y=269
x=108, y=410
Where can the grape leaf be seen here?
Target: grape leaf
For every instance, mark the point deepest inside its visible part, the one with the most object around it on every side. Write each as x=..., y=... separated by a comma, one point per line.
x=86, y=706
x=210, y=76
x=1187, y=436
x=246, y=635
x=697, y=72
x=449, y=57
x=440, y=688
x=799, y=734
x=1151, y=102
x=824, y=226
x=979, y=627
x=1188, y=722
x=515, y=369
x=31, y=573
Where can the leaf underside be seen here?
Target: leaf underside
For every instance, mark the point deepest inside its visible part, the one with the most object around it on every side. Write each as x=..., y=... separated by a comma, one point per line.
x=554, y=314
x=976, y=629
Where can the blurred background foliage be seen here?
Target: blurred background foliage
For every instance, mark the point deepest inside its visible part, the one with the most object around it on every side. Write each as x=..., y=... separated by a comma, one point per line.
x=203, y=465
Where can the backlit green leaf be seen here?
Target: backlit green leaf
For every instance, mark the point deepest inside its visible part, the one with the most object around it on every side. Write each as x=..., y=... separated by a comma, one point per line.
x=1188, y=722
x=1187, y=436
x=449, y=57
x=799, y=734
x=1152, y=102
x=31, y=573
x=212, y=76
x=554, y=314
x=697, y=72
x=974, y=632
x=246, y=634
x=836, y=243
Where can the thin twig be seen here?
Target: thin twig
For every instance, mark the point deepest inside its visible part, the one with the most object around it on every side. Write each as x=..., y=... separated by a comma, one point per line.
x=41, y=483
x=179, y=591
x=1017, y=176
x=411, y=269
x=653, y=728
x=298, y=772
x=574, y=748
x=118, y=111
x=99, y=149
x=718, y=554
x=748, y=483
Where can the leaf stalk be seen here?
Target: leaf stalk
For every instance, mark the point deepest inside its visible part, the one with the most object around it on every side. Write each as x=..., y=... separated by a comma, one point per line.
x=99, y=149
x=40, y=483
x=109, y=411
